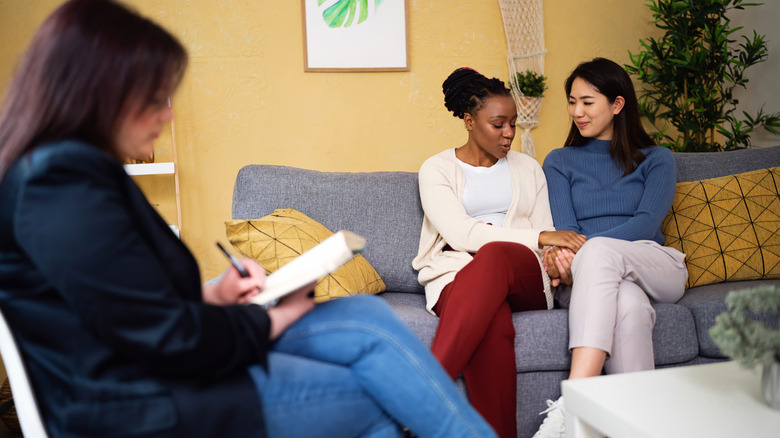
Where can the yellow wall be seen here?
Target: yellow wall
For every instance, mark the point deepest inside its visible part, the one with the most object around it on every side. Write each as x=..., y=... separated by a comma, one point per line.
x=246, y=99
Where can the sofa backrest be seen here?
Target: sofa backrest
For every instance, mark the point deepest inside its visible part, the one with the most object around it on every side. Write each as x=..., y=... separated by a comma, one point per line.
x=693, y=166
x=384, y=207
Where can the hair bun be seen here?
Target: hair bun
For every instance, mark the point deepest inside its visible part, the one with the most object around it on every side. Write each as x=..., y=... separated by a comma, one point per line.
x=457, y=77
x=465, y=89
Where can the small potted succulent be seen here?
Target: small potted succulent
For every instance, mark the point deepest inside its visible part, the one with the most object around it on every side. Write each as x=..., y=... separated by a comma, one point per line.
x=749, y=333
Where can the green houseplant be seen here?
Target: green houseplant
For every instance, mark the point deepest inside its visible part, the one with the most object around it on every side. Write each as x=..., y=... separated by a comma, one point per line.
x=528, y=88
x=690, y=74
x=530, y=83
x=749, y=333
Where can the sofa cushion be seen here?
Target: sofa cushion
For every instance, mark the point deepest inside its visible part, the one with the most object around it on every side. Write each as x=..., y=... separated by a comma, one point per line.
x=674, y=335
x=384, y=207
x=729, y=227
x=542, y=336
x=706, y=303
x=410, y=308
x=276, y=239
x=542, y=340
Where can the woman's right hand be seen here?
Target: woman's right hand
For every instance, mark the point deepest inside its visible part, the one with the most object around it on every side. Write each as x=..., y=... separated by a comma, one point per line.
x=548, y=262
x=563, y=262
x=290, y=308
x=566, y=238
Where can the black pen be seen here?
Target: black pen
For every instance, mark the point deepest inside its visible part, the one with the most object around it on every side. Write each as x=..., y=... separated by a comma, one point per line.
x=243, y=272
x=234, y=261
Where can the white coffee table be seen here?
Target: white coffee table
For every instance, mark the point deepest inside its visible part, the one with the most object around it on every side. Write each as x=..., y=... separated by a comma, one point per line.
x=713, y=400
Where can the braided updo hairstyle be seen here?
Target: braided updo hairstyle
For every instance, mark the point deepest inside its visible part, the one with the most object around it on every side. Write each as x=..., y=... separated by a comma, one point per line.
x=465, y=91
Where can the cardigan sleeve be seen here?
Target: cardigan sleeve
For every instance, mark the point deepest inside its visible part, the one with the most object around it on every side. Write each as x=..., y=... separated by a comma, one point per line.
x=541, y=215
x=76, y=227
x=444, y=209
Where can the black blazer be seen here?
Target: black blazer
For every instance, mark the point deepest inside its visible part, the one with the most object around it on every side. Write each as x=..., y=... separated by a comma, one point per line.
x=105, y=304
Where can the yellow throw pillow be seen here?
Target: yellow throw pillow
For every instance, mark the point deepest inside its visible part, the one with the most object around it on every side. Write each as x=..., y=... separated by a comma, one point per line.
x=285, y=234
x=728, y=227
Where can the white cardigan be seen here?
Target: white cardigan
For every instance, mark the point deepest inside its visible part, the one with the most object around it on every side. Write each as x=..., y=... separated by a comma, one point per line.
x=446, y=222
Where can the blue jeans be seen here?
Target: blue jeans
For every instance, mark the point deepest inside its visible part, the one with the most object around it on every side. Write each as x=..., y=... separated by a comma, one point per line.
x=351, y=368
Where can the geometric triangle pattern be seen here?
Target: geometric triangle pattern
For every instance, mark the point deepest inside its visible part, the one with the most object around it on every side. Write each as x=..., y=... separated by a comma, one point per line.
x=283, y=235
x=728, y=227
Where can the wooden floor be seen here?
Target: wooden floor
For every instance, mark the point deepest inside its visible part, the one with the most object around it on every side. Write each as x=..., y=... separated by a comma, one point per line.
x=4, y=431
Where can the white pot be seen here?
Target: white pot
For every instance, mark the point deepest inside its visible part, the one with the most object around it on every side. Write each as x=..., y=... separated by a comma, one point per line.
x=770, y=385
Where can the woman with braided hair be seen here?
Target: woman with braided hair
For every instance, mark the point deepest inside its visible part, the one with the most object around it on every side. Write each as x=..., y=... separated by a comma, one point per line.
x=487, y=220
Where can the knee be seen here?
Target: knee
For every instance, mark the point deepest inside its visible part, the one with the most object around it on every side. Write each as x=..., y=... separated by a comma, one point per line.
x=598, y=251
x=494, y=253
x=597, y=246
x=500, y=249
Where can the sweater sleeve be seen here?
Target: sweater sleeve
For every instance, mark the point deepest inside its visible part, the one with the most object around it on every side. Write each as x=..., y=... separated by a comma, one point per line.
x=73, y=222
x=657, y=199
x=559, y=188
x=444, y=209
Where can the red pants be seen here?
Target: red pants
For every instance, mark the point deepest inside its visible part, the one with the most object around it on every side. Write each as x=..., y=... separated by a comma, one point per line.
x=476, y=336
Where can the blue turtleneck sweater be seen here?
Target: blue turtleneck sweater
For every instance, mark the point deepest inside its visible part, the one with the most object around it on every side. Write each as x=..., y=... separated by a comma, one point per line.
x=590, y=195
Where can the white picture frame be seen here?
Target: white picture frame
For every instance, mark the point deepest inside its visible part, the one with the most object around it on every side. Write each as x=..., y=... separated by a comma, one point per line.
x=355, y=35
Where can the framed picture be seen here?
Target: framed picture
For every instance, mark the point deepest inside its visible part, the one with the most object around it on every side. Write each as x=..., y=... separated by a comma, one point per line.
x=355, y=35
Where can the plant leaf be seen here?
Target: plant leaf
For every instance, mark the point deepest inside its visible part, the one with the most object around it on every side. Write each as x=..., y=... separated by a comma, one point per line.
x=690, y=72
x=343, y=12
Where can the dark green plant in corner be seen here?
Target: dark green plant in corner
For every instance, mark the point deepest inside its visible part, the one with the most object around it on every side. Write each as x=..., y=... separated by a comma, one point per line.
x=531, y=83
x=691, y=72
x=749, y=331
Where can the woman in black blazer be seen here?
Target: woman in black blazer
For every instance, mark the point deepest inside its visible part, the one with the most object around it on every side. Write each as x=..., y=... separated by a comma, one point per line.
x=106, y=304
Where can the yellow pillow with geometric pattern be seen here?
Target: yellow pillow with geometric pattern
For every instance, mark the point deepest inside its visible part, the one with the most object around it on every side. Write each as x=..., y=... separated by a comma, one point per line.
x=728, y=227
x=278, y=238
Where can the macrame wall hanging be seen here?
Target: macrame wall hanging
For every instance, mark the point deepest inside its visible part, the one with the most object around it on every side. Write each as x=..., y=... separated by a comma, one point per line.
x=524, y=27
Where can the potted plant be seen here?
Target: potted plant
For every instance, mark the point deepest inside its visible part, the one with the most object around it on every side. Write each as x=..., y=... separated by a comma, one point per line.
x=690, y=74
x=529, y=87
x=749, y=333
x=530, y=83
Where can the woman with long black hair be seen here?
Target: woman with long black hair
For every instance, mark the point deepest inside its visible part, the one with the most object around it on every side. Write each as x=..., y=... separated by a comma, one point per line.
x=612, y=184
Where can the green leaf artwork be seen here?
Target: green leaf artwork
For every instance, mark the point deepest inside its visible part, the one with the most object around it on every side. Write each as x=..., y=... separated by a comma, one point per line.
x=343, y=12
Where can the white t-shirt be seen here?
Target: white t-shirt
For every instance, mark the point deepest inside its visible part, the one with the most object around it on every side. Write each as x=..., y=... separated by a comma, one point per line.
x=487, y=191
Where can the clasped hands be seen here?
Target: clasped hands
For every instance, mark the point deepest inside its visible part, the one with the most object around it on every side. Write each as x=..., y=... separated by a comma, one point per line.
x=559, y=254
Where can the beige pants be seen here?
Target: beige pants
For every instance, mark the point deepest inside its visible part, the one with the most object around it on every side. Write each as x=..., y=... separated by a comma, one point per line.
x=614, y=283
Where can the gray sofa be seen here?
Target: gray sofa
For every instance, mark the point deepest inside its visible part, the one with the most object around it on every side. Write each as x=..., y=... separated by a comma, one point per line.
x=385, y=208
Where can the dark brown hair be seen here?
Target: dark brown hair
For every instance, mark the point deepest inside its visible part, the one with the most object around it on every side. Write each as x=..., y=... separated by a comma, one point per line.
x=628, y=134
x=88, y=65
x=465, y=91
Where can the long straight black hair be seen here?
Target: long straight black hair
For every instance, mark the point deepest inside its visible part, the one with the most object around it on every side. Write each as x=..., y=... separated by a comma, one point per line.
x=89, y=64
x=628, y=134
